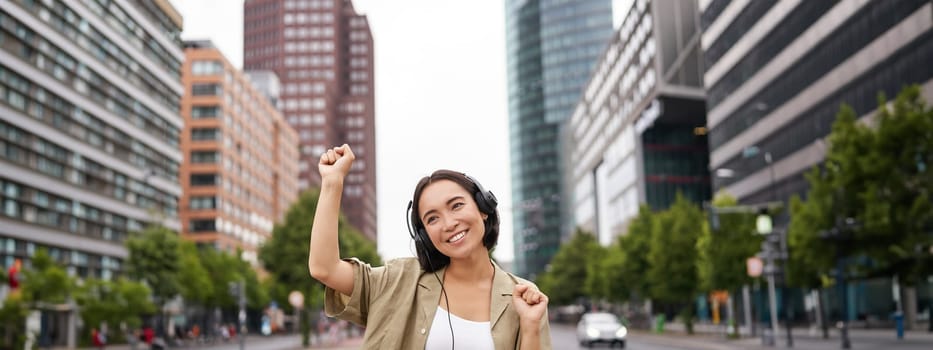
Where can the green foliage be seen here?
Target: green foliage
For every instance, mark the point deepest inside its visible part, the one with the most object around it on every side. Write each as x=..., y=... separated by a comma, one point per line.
x=225, y=269
x=810, y=256
x=672, y=256
x=722, y=253
x=564, y=281
x=623, y=268
x=196, y=286
x=13, y=323
x=113, y=302
x=285, y=254
x=628, y=260
x=597, y=284
x=222, y=269
x=46, y=281
x=155, y=258
x=879, y=175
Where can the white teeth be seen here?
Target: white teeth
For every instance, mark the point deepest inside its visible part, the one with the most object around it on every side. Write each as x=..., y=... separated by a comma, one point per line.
x=456, y=238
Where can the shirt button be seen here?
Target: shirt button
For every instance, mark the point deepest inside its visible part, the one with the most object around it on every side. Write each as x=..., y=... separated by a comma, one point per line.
x=422, y=331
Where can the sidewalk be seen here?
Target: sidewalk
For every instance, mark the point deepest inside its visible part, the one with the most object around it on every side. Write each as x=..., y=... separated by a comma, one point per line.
x=275, y=342
x=345, y=344
x=711, y=337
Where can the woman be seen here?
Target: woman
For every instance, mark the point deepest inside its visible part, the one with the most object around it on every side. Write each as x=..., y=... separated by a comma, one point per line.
x=451, y=296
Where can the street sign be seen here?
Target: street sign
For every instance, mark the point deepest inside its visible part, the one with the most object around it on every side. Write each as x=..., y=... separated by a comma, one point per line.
x=754, y=266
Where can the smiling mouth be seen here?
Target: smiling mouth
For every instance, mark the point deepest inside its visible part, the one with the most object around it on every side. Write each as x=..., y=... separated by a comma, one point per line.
x=457, y=237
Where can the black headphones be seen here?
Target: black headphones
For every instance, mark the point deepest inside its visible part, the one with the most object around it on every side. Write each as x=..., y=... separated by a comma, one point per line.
x=486, y=202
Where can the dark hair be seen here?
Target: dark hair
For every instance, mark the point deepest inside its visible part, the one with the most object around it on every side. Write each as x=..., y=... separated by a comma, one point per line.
x=429, y=257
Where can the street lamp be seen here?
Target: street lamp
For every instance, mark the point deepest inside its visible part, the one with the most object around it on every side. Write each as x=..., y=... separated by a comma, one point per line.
x=764, y=226
x=841, y=234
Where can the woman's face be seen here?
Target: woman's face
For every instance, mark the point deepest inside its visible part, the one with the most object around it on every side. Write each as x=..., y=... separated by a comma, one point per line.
x=452, y=219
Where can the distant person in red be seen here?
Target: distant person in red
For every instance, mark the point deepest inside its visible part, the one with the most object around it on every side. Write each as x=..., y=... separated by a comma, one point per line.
x=13, y=273
x=97, y=339
x=148, y=335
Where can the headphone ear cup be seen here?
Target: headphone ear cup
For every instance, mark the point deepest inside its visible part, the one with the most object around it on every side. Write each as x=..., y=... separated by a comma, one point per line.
x=421, y=238
x=482, y=201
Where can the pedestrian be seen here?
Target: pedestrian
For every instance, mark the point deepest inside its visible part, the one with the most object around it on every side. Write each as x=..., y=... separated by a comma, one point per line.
x=148, y=335
x=98, y=339
x=451, y=295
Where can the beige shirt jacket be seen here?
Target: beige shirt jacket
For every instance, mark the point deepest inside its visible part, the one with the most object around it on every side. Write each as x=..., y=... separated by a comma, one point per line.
x=396, y=303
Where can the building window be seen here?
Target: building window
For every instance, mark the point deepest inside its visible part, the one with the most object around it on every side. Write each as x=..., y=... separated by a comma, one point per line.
x=201, y=134
x=203, y=202
x=205, y=157
x=204, y=179
x=207, y=67
x=203, y=112
x=207, y=90
x=202, y=225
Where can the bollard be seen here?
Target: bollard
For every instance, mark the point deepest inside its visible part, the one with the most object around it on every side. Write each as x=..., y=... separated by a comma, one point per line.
x=899, y=324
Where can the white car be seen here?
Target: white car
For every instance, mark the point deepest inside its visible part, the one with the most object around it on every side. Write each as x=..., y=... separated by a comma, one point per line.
x=601, y=327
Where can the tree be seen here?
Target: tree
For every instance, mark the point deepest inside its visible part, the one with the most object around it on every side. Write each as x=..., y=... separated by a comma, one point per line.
x=13, y=315
x=722, y=252
x=564, y=281
x=156, y=259
x=673, y=257
x=113, y=302
x=597, y=283
x=630, y=266
x=197, y=286
x=46, y=282
x=898, y=214
x=225, y=269
x=285, y=254
x=43, y=284
x=877, y=175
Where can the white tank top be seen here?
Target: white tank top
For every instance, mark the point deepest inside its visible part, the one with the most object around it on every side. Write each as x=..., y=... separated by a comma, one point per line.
x=467, y=334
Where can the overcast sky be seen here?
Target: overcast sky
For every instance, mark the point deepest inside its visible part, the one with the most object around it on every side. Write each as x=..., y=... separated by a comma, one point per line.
x=441, y=98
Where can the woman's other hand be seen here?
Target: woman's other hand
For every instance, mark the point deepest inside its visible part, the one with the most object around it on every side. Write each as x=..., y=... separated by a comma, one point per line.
x=530, y=304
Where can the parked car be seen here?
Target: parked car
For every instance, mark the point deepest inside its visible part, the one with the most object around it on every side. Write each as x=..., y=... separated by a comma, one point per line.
x=601, y=327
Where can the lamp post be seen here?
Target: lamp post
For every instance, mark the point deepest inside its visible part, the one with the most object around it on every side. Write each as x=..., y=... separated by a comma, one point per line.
x=764, y=226
x=780, y=236
x=841, y=233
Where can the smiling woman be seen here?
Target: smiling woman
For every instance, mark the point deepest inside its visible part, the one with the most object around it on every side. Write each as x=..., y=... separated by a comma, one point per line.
x=406, y=303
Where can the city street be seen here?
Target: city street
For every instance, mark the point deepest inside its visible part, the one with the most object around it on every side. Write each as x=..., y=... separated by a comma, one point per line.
x=564, y=337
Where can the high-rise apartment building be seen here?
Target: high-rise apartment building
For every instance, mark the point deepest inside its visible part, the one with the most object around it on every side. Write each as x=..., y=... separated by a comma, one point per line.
x=637, y=136
x=777, y=72
x=552, y=47
x=322, y=51
x=89, y=126
x=240, y=170
x=776, y=75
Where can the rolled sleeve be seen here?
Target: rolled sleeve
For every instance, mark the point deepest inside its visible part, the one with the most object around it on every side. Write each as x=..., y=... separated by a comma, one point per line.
x=355, y=307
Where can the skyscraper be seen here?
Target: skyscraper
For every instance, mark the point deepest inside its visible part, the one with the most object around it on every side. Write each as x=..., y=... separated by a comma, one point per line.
x=240, y=169
x=552, y=47
x=776, y=75
x=777, y=72
x=637, y=135
x=322, y=51
x=89, y=127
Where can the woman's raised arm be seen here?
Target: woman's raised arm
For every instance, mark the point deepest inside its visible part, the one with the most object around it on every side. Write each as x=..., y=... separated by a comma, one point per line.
x=324, y=258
